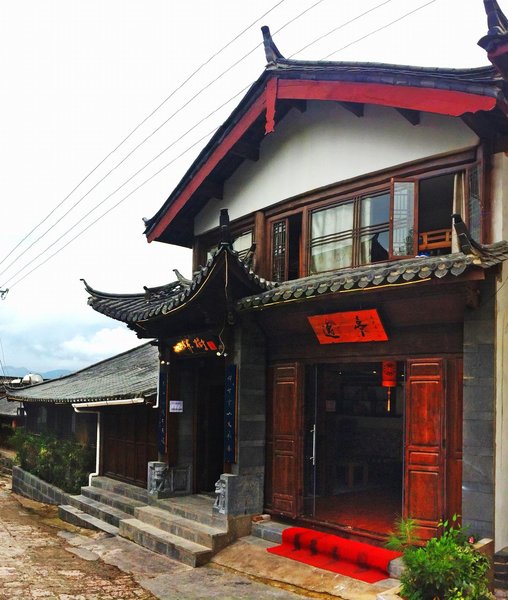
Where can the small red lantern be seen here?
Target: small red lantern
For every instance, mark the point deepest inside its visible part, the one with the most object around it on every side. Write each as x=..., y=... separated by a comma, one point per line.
x=389, y=373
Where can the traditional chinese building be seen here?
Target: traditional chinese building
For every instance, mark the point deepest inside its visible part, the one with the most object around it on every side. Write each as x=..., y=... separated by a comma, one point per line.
x=337, y=359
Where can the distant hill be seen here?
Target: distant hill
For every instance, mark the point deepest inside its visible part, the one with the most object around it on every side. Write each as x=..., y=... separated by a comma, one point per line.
x=22, y=371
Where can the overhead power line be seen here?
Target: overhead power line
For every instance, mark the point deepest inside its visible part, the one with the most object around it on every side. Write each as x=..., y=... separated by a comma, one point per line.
x=177, y=157
x=341, y=26
x=129, y=135
x=176, y=112
x=404, y=16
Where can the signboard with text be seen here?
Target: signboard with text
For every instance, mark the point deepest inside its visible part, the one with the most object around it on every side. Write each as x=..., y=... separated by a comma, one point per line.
x=230, y=390
x=352, y=326
x=197, y=345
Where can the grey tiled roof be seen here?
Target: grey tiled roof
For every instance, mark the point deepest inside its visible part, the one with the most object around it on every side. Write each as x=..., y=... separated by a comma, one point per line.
x=378, y=275
x=133, y=374
x=8, y=409
x=157, y=302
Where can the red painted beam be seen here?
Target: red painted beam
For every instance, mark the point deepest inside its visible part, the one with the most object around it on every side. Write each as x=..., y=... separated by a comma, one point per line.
x=213, y=160
x=444, y=102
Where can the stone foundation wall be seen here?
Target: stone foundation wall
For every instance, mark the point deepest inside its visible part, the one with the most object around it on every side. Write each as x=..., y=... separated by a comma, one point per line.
x=6, y=465
x=32, y=487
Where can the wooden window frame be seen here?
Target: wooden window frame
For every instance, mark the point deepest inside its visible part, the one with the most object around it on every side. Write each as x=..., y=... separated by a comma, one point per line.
x=373, y=185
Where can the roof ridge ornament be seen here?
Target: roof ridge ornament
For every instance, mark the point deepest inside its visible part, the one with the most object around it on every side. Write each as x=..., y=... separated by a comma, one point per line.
x=467, y=244
x=272, y=53
x=225, y=238
x=496, y=40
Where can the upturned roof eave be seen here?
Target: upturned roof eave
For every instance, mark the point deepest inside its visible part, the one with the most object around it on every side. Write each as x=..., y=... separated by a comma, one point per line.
x=478, y=81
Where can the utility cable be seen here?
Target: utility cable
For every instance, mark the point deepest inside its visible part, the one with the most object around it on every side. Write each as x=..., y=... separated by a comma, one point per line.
x=112, y=208
x=203, y=89
x=178, y=88
x=341, y=26
x=176, y=158
x=93, y=209
x=378, y=29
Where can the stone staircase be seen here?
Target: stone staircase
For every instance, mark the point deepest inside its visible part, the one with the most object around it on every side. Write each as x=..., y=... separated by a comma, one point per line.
x=183, y=528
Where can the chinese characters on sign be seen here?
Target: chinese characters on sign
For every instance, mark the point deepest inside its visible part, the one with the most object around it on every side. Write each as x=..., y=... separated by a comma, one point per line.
x=230, y=414
x=163, y=382
x=351, y=326
x=196, y=345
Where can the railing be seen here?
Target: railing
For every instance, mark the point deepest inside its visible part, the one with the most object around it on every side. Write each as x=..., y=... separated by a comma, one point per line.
x=435, y=240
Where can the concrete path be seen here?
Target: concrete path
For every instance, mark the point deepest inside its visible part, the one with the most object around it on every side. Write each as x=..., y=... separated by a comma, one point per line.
x=41, y=557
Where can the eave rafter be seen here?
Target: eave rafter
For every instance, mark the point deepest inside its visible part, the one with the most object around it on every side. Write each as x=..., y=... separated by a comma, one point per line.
x=356, y=108
x=412, y=116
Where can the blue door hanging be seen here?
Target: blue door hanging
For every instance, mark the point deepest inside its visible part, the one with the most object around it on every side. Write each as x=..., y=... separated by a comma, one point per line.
x=230, y=414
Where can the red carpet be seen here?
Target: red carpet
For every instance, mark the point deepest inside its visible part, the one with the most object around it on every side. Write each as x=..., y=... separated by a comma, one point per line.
x=333, y=553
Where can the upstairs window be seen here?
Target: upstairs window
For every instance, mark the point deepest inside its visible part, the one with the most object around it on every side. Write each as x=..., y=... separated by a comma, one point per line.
x=357, y=231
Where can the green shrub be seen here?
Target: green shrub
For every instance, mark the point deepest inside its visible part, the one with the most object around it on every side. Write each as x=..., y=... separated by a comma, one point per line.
x=446, y=568
x=61, y=462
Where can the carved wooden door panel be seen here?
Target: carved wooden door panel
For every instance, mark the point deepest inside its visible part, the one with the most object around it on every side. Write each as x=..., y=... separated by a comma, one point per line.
x=424, y=476
x=286, y=396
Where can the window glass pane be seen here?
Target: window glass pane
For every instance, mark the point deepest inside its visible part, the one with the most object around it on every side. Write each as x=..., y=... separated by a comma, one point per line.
x=374, y=234
x=374, y=247
x=331, y=238
x=403, y=218
x=279, y=250
x=243, y=243
x=474, y=206
x=375, y=210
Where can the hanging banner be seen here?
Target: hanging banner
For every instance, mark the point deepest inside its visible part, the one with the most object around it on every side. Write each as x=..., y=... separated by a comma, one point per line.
x=230, y=390
x=352, y=326
x=163, y=386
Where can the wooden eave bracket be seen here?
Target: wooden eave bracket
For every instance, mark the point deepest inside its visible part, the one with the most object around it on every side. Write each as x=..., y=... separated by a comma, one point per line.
x=246, y=149
x=212, y=188
x=413, y=116
x=357, y=108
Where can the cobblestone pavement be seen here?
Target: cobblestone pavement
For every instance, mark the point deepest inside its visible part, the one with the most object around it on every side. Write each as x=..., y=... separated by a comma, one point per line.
x=43, y=558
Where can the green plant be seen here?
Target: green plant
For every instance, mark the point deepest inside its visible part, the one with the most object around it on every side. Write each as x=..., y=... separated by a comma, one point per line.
x=447, y=567
x=61, y=462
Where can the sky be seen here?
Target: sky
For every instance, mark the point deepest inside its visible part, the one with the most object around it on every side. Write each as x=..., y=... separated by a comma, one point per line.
x=78, y=77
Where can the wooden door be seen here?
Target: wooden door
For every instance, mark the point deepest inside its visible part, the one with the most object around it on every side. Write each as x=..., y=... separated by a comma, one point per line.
x=129, y=442
x=424, y=474
x=286, y=409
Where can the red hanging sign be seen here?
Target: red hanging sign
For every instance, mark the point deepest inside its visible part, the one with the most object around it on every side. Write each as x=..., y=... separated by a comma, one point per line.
x=353, y=326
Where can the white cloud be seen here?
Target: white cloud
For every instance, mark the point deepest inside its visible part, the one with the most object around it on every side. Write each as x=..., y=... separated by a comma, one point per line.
x=101, y=344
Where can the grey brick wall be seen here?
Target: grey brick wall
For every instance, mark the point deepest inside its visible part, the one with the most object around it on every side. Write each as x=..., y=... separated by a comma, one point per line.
x=32, y=487
x=250, y=356
x=479, y=415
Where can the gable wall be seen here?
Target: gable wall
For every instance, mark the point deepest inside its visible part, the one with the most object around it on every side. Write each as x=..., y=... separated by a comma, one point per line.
x=327, y=144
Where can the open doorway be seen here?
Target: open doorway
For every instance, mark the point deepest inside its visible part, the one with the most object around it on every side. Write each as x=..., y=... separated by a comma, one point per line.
x=353, y=445
x=209, y=424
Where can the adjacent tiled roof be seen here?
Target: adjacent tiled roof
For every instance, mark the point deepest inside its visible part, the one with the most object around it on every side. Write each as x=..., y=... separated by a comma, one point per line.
x=157, y=302
x=133, y=374
x=378, y=275
x=8, y=409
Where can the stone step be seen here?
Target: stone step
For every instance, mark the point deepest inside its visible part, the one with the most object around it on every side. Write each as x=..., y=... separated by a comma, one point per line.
x=195, y=508
x=106, y=513
x=184, y=551
x=118, y=501
x=77, y=517
x=123, y=489
x=214, y=538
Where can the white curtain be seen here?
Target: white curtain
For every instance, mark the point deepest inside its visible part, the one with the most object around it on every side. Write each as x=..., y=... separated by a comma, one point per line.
x=459, y=203
x=329, y=249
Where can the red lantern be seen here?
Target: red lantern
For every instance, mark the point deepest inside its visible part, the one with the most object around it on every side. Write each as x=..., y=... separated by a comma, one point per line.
x=389, y=373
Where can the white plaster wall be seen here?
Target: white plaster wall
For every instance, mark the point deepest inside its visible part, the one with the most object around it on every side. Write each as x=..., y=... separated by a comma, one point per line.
x=500, y=231
x=325, y=145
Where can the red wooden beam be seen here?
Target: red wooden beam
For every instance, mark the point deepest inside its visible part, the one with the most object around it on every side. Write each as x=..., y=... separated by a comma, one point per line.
x=445, y=102
x=217, y=155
